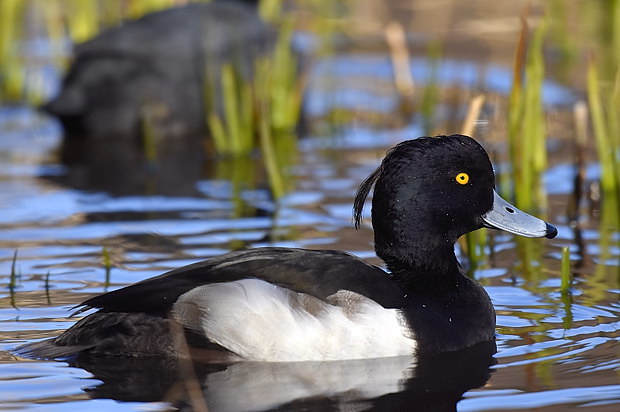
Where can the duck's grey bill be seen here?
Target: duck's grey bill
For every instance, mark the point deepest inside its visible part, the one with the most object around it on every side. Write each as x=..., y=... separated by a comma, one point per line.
x=505, y=216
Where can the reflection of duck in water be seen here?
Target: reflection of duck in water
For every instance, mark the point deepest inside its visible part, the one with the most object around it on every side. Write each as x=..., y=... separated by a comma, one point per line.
x=284, y=304
x=424, y=383
x=153, y=69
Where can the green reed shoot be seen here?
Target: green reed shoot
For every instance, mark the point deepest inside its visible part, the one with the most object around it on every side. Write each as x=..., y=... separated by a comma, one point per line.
x=526, y=125
x=232, y=125
x=11, y=73
x=431, y=91
x=475, y=242
x=274, y=171
x=268, y=135
x=274, y=92
x=603, y=87
x=9, y=16
x=565, y=274
x=270, y=10
x=604, y=101
x=83, y=21
x=279, y=107
x=286, y=85
x=107, y=264
x=238, y=109
x=562, y=37
x=258, y=112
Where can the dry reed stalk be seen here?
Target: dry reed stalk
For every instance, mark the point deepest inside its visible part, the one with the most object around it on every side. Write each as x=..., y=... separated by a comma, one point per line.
x=395, y=36
x=473, y=112
x=580, y=114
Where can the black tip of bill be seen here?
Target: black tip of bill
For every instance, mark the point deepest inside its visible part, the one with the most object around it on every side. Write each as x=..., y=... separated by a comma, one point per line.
x=551, y=231
x=505, y=216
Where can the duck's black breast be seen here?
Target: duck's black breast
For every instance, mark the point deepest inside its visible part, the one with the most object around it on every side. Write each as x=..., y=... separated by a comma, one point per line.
x=319, y=273
x=446, y=317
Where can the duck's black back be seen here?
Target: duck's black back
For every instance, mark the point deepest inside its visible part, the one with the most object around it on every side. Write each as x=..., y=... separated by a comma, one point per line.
x=319, y=273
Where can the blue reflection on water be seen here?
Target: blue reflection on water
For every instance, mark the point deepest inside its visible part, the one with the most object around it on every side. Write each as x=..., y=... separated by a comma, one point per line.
x=330, y=84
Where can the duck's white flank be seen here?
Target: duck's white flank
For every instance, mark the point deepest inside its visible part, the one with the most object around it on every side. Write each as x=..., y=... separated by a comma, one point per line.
x=263, y=322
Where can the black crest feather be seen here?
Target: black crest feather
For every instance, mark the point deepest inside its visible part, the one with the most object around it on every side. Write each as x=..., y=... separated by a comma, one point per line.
x=362, y=194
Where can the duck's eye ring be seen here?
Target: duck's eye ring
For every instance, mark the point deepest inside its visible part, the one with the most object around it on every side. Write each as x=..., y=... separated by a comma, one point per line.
x=462, y=178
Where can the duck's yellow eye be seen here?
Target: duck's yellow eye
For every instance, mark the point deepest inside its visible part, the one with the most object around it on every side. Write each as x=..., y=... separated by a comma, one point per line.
x=462, y=178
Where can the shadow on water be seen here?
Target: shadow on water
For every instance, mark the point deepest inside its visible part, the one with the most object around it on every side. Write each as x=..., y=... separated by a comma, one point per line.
x=433, y=383
x=118, y=167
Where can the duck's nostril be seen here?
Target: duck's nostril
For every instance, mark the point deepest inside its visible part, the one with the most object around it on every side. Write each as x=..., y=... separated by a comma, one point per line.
x=510, y=210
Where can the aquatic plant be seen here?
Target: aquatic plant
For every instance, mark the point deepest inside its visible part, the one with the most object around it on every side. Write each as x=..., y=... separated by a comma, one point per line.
x=258, y=112
x=270, y=10
x=565, y=274
x=107, y=264
x=431, y=90
x=604, y=100
x=562, y=38
x=285, y=80
x=232, y=130
x=11, y=73
x=598, y=118
x=526, y=123
x=474, y=243
x=9, y=10
x=603, y=89
x=75, y=20
x=244, y=114
x=83, y=20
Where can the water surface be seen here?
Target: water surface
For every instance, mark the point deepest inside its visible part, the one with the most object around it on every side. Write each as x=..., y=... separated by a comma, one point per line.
x=59, y=227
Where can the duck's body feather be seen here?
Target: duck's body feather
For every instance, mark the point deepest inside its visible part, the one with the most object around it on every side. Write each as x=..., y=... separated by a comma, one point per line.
x=319, y=273
x=284, y=325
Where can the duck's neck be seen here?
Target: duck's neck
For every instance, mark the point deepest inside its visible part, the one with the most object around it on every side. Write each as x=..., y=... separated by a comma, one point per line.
x=423, y=266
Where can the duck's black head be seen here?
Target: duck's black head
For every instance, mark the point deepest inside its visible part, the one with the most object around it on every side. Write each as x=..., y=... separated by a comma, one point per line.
x=428, y=192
